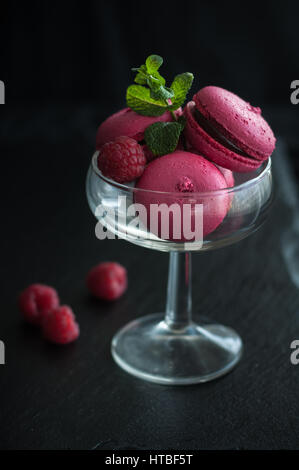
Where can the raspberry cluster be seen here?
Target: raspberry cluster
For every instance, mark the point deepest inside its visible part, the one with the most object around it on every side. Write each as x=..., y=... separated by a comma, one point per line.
x=40, y=304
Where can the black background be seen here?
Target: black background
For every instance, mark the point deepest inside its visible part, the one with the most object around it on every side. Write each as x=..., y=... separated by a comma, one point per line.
x=83, y=51
x=66, y=66
x=60, y=57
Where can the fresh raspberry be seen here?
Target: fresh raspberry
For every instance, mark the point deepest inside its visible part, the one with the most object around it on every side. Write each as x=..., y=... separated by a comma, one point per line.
x=122, y=160
x=107, y=281
x=37, y=301
x=60, y=326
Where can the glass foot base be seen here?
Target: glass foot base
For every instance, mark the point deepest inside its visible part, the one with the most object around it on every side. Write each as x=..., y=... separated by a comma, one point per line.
x=150, y=350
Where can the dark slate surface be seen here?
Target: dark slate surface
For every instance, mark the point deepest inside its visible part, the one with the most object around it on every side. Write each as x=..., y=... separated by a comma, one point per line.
x=75, y=397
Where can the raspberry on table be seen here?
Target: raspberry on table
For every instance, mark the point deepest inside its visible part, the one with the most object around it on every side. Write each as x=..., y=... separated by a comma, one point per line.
x=36, y=301
x=60, y=326
x=122, y=160
x=107, y=280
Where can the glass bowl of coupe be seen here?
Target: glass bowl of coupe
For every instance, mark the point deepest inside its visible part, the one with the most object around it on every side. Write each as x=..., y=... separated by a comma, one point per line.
x=172, y=347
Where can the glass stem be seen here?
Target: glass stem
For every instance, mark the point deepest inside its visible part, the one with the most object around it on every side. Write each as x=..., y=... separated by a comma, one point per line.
x=179, y=291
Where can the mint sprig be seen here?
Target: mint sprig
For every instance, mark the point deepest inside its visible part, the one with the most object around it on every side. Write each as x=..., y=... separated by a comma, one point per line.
x=163, y=137
x=150, y=97
x=159, y=91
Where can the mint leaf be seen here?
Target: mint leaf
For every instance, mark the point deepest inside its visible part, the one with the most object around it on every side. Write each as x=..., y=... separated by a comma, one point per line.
x=158, y=90
x=162, y=137
x=149, y=70
x=158, y=77
x=153, y=63
x=181, y=85
x=139, y=99
x=141, y=76
x=161, y=93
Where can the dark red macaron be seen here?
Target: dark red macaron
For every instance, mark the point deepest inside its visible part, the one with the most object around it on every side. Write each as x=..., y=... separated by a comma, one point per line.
x=228, y=130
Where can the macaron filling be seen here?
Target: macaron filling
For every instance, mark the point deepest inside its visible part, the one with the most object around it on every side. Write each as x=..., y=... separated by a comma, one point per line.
x=211, y=130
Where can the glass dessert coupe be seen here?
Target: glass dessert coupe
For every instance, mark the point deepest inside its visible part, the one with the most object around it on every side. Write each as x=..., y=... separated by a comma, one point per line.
x=170, y=347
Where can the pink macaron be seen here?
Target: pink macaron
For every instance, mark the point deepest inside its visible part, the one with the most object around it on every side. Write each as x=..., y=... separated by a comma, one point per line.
x=228, y=174
x=182, y=174
x=228, y=130
x=127, y=123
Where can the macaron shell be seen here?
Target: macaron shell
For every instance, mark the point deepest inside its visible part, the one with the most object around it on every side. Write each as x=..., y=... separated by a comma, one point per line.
x=167, y=173
x=237, y=120
x=206, y=145
x=127, y=123
x=228, y=174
